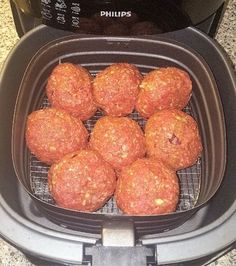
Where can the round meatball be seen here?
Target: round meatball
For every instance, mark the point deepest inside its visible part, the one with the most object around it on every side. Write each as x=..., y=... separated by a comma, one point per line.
x=119, y=140
x=52, y=133
x=164, y=88
x=116, y=88
x=69, y=88
x=173, y=136
x=82, y=181
x=147, y=187
x=144, y=28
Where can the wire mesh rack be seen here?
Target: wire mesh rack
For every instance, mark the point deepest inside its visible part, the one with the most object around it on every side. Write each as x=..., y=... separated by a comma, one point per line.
x=189, y=178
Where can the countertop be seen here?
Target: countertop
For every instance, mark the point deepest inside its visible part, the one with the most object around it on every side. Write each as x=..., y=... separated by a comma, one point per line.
x=226, y=37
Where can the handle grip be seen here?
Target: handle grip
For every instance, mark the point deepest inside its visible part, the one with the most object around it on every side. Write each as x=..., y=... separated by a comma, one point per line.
x=118, y=247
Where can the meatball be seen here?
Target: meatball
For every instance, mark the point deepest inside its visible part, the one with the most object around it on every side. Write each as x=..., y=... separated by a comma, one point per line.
x=173, y=136
x=164, y=88
x=119, y=140
x=81, y=181
x=52, y=133
x=147, y=187
x=69, y=88
x=116, y=88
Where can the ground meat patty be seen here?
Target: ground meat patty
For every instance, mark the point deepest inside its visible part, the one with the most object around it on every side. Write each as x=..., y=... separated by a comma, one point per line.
x=116, y=88
x=69, y=87
x=173, y=136
x=82, y=181
x=164, y=88
x=119, y=140
x=147, y=187
x=52, y=133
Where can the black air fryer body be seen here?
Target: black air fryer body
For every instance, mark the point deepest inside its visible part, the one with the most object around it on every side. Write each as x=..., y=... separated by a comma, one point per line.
x=120, y=17
x=97, y=33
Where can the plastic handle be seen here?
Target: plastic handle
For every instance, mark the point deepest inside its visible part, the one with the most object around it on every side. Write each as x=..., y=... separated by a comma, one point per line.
x=118, y=240
x=117, y=233
x=117, y=256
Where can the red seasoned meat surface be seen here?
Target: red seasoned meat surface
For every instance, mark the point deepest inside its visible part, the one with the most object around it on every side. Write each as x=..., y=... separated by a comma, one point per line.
x=173, y=136
x=119, y=140
x=147, y=187
x=69, y=88
x=164, y=88
x=82, y=181
x=52, y=133
x=116, y=88
x=84, y=175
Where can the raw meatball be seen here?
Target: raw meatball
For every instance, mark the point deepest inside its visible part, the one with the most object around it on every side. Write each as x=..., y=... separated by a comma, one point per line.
x=82, y=181
x=164, y=88
x=69, y=88
x=52, y=133
x=119, y=140
x=173, y=136
x=116, y=88
x=147, y=187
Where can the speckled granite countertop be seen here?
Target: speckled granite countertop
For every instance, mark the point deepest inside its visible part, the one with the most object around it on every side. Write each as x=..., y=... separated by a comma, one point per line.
x=226, y=36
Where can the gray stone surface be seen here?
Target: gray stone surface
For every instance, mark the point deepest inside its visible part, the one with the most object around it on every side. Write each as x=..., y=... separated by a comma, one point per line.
x=226, y=36
x=8, y=36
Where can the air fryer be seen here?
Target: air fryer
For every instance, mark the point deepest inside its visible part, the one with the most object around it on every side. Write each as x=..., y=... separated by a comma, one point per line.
x=207, y=209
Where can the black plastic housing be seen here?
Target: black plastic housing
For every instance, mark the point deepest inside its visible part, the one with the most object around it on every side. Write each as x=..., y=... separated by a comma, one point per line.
x=95, y=53
x=207, y=22
x=83, y=16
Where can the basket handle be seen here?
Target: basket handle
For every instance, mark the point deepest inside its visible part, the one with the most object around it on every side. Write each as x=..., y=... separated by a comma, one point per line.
x=118, y=247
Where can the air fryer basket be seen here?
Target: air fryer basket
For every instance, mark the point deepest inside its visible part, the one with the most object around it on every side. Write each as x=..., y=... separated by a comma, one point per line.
x=198, y=183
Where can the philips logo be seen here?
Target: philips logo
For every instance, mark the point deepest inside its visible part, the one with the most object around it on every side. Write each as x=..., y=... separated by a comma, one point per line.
x=115, y=14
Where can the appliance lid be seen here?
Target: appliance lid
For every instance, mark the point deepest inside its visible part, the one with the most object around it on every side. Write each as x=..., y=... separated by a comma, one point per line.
x=113, y=17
